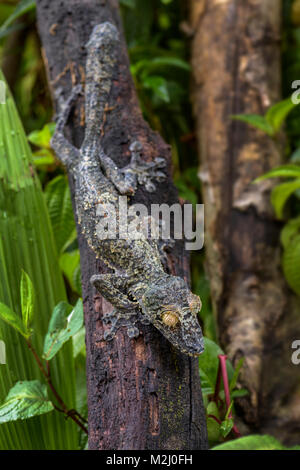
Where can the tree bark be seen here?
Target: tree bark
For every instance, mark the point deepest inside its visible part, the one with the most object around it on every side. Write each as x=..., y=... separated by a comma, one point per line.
x=236, y=70
x=142, y=394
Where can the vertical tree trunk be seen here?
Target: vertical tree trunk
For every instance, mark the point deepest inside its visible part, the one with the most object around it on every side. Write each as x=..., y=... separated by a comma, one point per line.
x=142, y=394
x=236, y=69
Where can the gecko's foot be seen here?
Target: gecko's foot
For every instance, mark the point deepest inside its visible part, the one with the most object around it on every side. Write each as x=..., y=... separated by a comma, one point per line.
x=165, y=246
x=119, y=318
x=145, y=172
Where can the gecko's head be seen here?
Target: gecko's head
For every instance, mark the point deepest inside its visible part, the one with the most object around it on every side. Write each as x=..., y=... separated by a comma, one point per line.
x=172, y=308
x=103, y=35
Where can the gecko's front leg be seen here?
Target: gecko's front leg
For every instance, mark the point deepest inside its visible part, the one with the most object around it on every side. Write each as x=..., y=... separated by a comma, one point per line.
x=125, y=312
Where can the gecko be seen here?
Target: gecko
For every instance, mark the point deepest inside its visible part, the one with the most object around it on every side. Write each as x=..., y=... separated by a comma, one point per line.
x=139, y=288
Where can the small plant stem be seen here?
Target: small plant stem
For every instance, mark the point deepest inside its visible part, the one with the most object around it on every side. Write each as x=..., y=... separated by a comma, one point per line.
x=223, y=370
x=73, y=414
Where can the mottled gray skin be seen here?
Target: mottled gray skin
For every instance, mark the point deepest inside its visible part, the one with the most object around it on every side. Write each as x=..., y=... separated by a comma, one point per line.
x=139, y=288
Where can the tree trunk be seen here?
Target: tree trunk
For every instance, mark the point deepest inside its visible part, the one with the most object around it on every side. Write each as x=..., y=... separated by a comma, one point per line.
x=142, y=394
x=236, y=70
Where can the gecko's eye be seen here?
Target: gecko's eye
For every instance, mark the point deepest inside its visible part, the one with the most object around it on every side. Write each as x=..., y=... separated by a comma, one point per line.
x=194, y=303
x=170, y=318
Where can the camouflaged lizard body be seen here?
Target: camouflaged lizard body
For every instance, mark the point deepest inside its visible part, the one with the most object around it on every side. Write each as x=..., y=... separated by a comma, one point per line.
x=139, y=288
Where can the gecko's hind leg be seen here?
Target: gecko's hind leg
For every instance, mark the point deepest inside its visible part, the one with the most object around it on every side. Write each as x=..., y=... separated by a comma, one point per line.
x=137, y=172
x=125, y=313
x=64, y=150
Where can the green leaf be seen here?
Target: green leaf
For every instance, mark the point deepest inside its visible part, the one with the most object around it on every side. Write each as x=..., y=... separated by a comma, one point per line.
x=42, y=137
x=280, y=195
x=22, y=7
x=209, y=363
x=283, y=171
x=226, y=427
x=254, y=442
x=291, y=264
x=212, y=409
x=277, y=113
x=25, y=400
x=159, y=86
x=43, y=158
x=128, y=3
x=213, y=430
x=60, y=208
x=241, y=392
x=257, y=121
x=159, y=62
x=64, y=323
x=70, y=265
x=79, y=343
x=27, y=299
x=10, y=317
x=289, y=231
x=236, y=374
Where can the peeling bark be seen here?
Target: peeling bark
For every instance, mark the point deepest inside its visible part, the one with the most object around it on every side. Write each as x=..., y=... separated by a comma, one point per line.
x=236, y=70
x=142, y=394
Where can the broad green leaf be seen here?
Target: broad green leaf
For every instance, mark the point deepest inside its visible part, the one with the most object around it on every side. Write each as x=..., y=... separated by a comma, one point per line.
x=42, y=137
x=291, y=264
x=283, y=171
x=257, y=121
x=289, y=231
x=209, y=362
x=22, y=7
x=280, y=195
x=27, y=299
x=64, y=323
x=10, y=317
x=159, y=86
x=25, y=400
x=277, y=113
x=60, y=208
x=213, y=430
x=254, y=442
x=212, y=409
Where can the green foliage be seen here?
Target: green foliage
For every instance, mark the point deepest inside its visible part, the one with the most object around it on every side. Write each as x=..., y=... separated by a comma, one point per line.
x=44, y=157
x=12, y=319
x=27, y=299
x=218, y=418
x=25, y=400
x=60, y=209
x=254, y=442
x=64, y=323
x=21, y=8
x=272, y=121
x=27, y=243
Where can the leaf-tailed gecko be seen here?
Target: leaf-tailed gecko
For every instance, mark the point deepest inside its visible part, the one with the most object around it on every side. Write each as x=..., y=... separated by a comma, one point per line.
x=139, y=288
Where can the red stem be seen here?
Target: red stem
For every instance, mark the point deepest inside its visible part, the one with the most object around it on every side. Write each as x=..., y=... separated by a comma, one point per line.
x=223, y=369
